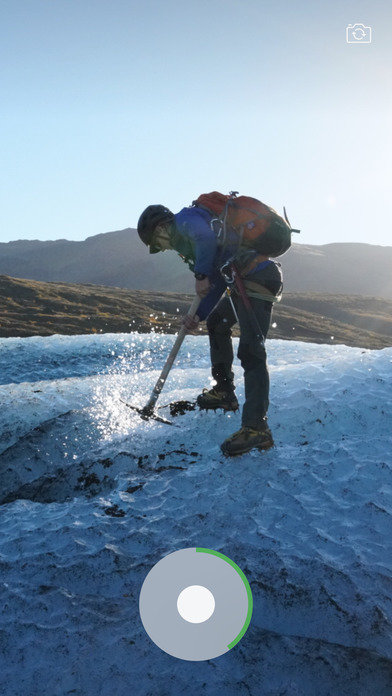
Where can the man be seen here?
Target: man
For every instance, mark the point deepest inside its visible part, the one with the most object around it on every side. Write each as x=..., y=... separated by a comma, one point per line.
x=189, y=232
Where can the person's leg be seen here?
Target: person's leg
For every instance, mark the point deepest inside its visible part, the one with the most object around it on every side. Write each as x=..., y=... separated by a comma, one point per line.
x=253, y=358
x=219, y=324
x=254, y=432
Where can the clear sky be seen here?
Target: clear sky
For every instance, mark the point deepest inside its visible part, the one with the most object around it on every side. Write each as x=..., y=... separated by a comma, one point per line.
x=107, y=106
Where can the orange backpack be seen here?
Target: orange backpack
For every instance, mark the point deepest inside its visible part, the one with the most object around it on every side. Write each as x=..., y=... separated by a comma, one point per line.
x=258, y=226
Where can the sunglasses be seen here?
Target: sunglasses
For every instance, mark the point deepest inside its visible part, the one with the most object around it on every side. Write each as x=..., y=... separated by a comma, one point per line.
x=158, y=240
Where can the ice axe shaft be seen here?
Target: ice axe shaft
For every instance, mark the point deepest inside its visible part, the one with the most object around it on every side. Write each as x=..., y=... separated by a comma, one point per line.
x=150, y=405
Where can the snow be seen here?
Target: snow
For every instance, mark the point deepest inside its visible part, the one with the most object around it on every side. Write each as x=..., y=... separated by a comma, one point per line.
x=93, y=496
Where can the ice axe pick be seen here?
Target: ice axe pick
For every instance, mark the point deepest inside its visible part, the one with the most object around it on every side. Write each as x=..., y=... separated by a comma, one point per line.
x=147, y=411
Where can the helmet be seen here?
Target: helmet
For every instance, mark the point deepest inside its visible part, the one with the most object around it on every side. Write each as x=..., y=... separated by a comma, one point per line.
x=150, y=218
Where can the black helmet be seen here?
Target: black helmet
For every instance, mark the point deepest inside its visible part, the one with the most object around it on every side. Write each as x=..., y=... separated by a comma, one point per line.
x=150, y=218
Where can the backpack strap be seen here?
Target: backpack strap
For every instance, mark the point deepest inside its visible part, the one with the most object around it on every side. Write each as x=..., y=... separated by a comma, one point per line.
x=223, y=217
x=261, y=292
x=253, y=263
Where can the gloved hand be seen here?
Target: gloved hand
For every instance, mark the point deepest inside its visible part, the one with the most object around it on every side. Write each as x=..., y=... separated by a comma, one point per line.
x=191, y=323
x=202, y=287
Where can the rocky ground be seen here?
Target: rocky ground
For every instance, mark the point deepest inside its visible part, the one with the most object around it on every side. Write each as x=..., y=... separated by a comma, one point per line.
x=35, y=308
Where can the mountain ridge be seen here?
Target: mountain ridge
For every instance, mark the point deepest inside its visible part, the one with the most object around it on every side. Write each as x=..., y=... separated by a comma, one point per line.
x=119, y=259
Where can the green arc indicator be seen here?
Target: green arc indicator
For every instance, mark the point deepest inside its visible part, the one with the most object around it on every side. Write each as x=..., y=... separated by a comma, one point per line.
x=247, y=587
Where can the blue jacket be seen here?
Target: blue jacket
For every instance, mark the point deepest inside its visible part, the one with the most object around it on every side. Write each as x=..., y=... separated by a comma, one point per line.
x=197, y=244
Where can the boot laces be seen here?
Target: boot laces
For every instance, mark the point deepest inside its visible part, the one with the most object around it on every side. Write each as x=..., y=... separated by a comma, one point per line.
x=247, y=430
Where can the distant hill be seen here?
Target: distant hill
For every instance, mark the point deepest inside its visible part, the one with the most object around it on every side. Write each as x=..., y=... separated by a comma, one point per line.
x=119, y=259
x=34, y=308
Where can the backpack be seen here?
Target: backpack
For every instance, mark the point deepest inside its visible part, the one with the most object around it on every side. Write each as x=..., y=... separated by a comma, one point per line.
x=258, y=226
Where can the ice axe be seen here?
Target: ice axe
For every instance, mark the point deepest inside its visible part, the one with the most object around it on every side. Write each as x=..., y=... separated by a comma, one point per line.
x=148, y=411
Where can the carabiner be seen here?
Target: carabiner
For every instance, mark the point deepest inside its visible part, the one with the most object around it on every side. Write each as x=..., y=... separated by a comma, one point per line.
x=228, y=273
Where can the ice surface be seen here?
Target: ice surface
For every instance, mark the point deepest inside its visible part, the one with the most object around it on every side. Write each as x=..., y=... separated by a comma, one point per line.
x=92, y=496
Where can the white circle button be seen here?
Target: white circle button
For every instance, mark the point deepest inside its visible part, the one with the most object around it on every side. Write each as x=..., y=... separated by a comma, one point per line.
x=195, y=604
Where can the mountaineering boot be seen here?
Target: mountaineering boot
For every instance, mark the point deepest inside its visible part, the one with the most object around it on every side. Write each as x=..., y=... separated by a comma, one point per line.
x=218, y=397
x=246, y=439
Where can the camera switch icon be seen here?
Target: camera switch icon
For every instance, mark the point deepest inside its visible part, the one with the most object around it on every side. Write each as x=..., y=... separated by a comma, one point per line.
x=358, y=33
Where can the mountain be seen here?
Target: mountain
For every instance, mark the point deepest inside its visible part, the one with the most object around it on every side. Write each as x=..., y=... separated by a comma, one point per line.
x=353, y=269
x=120, y=259
x=35, y=308
x=115, y=258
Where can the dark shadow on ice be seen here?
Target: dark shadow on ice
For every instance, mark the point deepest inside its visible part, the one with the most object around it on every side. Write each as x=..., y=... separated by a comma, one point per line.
x=65, y=457
x=56, y=461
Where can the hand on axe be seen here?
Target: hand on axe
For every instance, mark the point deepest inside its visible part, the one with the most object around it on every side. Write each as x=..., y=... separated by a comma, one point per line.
x=191, y=323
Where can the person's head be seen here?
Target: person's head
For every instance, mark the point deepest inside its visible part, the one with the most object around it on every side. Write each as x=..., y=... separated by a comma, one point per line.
x=154, y=228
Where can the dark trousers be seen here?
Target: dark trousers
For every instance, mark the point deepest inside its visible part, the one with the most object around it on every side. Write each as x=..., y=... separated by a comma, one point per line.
x=251, y=353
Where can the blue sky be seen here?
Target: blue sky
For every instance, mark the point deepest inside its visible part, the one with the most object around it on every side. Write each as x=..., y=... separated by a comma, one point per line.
x=108, y=106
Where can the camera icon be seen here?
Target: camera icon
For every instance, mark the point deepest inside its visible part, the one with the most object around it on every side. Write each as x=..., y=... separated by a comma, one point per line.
x=358, y=33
